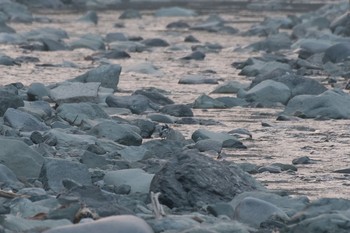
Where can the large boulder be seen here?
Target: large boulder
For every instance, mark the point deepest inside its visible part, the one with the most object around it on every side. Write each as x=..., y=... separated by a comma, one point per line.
x=120, y=224
x=20, y=158
x=74, y=92
x=268, y=92
x=23, y=121
x=121, y=133
x=54, y=171
x=337, y=53
x=188, y=181
x=9, y=99
x=333, y=104
x=107, y=75
x=76, y=113
x=138, y=180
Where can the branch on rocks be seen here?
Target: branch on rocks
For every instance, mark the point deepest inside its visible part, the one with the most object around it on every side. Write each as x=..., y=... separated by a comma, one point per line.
x=157, y=207
x=11, y=195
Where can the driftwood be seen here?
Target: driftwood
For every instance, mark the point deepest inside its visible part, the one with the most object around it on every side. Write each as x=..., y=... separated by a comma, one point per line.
x=11, y=195
x=157, y=207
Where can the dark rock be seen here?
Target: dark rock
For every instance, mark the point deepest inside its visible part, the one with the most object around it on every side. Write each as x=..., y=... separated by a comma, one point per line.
x=4, y=28
x=115, y=54
x=36, y=137
x=340, y=25
x=107, y=75
x=297, y=84
x=230, y=87
x=267, y=92
x=54, y=171
x=74, y=92
x=273, y=43
x=182, y=184
x=89, y=41
x=115, y=36
x=130, y=14
x=178, y=110
x=191, y=39
x=253, y=211
x=23, y=121
x=231, y=102
x=302, y=160
x=337, y=53
x=40, y=109
x=285, y=167
x=162, y=118
x=8, y=178
x=221, y=208
x=9, y=99
x=103, y=203
x=196, y=55
x=155, y=42
x=205, y=101
x=92, y=160
x=330, y=104
x=76, y=113
x=7, y=61
x=208, y=144
x=198, y=79
x=120, y=133
x=270, y=169
x=136, y=103
x=178, y=25
x=130, y=46
x=37, y=91
x=89, y=17
x=136, y=178
x=155, y=95
x=212, y=24
x=20, y=158
x=147, y=127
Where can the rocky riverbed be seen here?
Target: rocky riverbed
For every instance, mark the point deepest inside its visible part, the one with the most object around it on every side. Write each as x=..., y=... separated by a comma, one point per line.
x=214, y=118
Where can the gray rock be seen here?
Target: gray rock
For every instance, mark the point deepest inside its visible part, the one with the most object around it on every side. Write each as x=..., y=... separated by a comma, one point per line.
x=212, y=24
x=230, y=87
x=20, y=158
x=115, y=36
x=175, y=12
x=124, y=224
x=302, y=160
x=221, y=208
x=144, y=68
x=270, y=169
x=8, y=178
x=130, y=46
x=257, y=67
x=74, y=92
x=92, y=160
x=162, y=118
x=297, y=84
x=10, y=38
x=253, y=211
x=173, y=223
x=35, y=194
x=23, y=121
x=330, y=104
x=267, y=92
x=196, y=55
x=130, y=14
x=9, y=99
x=163, y=149
x=7, y=61
x=26, y=209
x=198, y=79
x=340, y=24
x=40, y=109
x=55, y=34
x=155, y=95
x=273, y=43
x=205, y=101
x=182, y=184
x=137, y=179
x=223, y=138
x=18, y=224
x=54, y=171
x=231, y=102
x=37, y=91
x=120, y=133
x=89, y=17
x=337, y=53
x=136, y=103
x=177, y=25
x=155, y=42
x=107, y=75
x=62, y=138
x=17, y=12
x=89, y=41
x=147, y=127
x=208, y=144
x=76, y=113
x=229, y=226
x=4, y=28
x=288, y=205
x=133, y=153
x=191, y=39
x=177, y=110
